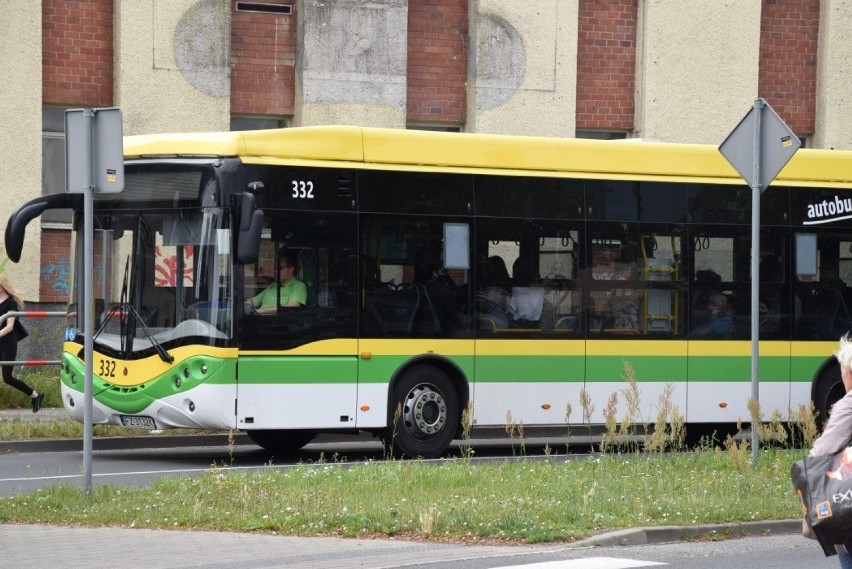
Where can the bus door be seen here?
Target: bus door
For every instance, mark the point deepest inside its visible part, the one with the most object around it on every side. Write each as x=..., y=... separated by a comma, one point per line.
x=720, y=323
x=530, y=356
x=298, y=364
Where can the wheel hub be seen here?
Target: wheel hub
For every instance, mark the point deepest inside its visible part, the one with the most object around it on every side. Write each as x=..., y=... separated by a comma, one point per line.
x=425, y=411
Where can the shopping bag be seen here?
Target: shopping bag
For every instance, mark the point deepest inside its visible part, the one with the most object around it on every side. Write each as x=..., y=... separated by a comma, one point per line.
x=824, y=487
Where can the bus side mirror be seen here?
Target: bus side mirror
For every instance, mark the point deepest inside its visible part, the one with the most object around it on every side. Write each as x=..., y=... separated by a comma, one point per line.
x=249, y=230
x=32, y=209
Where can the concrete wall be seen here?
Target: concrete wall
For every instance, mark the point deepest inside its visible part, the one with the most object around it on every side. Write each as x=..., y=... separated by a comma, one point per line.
x=20, y=131
x=351, y=63
x=697, y=68
x=523, y=67
x=174, y=71
x=834, y=77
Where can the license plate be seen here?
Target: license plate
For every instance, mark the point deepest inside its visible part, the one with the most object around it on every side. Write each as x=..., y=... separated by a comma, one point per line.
x=138, y=422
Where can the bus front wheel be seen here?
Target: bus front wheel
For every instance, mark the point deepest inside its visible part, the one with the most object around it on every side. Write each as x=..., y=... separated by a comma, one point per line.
x=829, y=390
x=281, y=440
x=424, y=413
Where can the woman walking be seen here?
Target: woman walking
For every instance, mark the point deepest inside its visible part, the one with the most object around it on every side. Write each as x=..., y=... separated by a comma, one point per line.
x=837, y=432
x=11, y=300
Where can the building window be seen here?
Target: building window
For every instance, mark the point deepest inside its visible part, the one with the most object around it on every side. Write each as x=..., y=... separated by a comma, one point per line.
x=257, y=123
x=434, y=127
x=602, y=134
x=53, y=160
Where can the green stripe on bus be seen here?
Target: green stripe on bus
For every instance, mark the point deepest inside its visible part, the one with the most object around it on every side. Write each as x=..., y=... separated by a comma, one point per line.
x=644, y=368
x=709, y=369
x=547, y=369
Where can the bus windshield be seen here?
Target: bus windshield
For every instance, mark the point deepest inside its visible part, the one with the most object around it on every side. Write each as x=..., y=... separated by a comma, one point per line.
x=162, y=279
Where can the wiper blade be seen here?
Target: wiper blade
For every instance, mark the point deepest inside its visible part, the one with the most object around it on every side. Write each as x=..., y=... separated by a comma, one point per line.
x=161, y=351
x=122, y=300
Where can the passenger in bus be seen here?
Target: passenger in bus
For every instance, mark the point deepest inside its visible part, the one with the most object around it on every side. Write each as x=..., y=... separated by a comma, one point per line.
x=622, y=308
x=492, y=303
x=441, y=310
x=719, y=322
x=290, y=293
x=527, y=301
x=769, y=312
x=707, y=283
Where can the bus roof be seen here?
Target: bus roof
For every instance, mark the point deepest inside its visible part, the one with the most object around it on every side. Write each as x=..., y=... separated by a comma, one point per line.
x=352, y=146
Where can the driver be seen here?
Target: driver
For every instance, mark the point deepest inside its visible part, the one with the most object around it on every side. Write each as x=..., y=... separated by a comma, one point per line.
x=291, y=292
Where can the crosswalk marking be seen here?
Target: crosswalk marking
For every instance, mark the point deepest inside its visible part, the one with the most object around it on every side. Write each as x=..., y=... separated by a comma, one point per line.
x=589, y=563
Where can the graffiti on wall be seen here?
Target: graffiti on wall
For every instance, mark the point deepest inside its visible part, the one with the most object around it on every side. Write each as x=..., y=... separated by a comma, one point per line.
x=57, y=276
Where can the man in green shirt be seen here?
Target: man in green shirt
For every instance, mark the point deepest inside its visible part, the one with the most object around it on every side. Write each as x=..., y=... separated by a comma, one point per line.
x=291, y=292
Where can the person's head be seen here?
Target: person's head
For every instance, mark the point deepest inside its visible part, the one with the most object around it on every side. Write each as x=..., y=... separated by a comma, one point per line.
x=497, y=271
x=844, y=358
x=427, y=265
x=6, y=285
x=707, y=276
x=288, y=262
x=718, y=303
x=523, y=272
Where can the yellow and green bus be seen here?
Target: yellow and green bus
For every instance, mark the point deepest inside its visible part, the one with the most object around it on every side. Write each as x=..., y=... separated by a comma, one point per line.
x=441, y=272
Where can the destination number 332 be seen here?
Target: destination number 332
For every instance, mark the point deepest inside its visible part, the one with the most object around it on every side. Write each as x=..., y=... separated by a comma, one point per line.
x=106, y=368
x=303, y=189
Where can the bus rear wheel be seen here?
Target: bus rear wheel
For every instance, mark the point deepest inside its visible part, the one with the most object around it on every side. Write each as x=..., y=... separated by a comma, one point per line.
x=425, y=414
x=281, y=440
x=829, y=390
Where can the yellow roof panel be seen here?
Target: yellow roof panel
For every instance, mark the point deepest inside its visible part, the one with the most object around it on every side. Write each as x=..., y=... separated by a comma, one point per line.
x=412, y=149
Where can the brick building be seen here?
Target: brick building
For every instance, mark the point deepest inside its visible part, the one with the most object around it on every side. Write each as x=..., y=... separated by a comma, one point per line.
x=680, y=71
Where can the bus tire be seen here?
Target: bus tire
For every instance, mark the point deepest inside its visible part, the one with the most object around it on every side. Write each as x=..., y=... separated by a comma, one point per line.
x=424, y=413
x=829, y=390
x=281, y=440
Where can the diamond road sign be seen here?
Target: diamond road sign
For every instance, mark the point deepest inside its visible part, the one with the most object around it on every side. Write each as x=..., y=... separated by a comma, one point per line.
x=760, y=145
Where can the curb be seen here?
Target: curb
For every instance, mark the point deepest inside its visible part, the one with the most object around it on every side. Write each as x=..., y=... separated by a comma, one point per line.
x=701, y=532
x=123, y=443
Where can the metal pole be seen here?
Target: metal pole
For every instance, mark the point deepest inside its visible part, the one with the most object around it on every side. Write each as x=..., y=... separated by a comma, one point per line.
x=88, y=321
x=759, y=105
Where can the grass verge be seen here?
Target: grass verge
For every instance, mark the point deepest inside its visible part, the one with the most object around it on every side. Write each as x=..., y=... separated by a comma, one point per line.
x=520, y=501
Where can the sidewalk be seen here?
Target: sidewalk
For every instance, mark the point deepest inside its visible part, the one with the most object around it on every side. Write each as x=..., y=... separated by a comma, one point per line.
x=45, y=415
x=35, y=547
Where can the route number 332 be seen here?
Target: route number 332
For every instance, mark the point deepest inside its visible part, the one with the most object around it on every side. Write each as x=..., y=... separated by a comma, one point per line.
x=303, y=190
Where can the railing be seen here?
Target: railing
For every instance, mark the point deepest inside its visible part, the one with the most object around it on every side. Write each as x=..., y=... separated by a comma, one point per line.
x=30, y=314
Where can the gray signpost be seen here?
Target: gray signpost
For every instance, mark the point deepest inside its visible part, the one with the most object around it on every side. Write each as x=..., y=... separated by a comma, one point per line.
x=94, y=162
x=758, y=148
